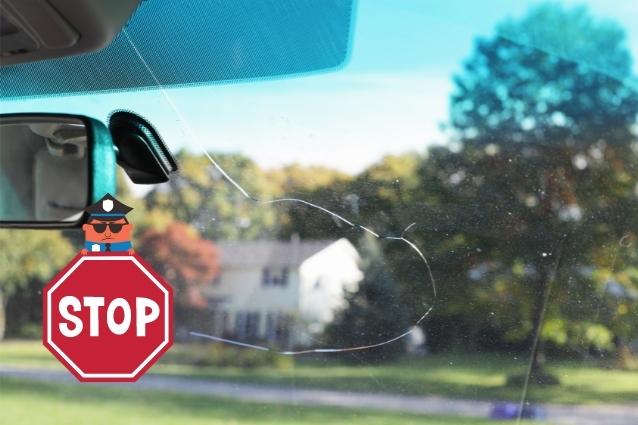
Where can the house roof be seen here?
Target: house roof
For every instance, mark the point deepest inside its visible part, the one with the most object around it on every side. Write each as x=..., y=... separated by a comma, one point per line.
x=269, y=253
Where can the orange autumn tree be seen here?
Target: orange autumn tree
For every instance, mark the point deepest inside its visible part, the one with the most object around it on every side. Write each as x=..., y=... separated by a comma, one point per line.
x=187, y=261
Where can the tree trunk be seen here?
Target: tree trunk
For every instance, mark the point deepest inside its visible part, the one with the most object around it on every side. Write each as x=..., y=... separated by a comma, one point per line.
x=3, y=316
x=623, y=358
x=472, y=339
x=537, y=373
x=538, y=313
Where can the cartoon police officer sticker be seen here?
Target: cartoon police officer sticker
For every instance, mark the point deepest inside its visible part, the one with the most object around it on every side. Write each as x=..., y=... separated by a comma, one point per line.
x=107, y=228
x=107, y=316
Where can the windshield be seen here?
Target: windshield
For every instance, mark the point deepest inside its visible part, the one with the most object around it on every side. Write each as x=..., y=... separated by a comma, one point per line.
x=440, y=229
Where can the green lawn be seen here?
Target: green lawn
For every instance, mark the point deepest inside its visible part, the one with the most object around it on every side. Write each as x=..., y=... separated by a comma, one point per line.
x=37, y=403
x=458, y=376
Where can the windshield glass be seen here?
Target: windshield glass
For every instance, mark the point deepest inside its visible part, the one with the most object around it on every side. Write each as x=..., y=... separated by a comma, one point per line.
x=207, y=42
x=440, y=230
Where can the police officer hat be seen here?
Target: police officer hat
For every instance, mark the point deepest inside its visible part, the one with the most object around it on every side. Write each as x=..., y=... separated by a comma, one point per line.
x=108, y=208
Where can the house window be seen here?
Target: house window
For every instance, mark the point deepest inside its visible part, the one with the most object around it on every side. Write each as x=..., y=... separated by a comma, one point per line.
x=278, y=328
x=283, y=278
x=247, y=325
x=274, y=278
x=265, y=276
x=221, y=324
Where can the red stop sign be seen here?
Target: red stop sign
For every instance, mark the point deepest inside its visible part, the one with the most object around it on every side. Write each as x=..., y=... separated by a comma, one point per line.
x=107, y=317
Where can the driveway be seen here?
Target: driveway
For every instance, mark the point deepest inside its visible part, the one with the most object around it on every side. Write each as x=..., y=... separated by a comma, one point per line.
x=557, y=414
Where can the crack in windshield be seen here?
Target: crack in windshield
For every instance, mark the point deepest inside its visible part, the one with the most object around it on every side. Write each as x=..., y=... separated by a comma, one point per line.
x=428, y=275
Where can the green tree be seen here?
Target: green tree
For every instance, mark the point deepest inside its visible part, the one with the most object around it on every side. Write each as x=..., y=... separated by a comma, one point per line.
x=320, y=185
x=184, y=258
x=384, y=190
x=547, y=159
x=189, y=262
x=200, y=196
x=29, y=257
x=377, y=197
x=296, y=179
x=374, y=313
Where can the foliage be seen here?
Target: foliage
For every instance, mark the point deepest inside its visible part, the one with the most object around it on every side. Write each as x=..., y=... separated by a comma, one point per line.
x=543, y=180
x=373, y=313
x=219, y=355
x=27, y=260
x=30, y=255
x=295, y=179
x=201, y=196
x=186, y=260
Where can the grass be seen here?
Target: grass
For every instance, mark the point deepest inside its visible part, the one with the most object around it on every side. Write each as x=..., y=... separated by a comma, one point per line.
x=30, y=403
x=478, y=376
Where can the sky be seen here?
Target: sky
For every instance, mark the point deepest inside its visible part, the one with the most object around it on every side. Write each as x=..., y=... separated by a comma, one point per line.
x=392, y=95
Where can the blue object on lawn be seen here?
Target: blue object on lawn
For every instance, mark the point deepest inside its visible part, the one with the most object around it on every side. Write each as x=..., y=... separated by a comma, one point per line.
x=511, y=410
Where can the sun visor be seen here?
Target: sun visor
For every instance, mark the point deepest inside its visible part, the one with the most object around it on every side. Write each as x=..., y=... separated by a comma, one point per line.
x=198, y=42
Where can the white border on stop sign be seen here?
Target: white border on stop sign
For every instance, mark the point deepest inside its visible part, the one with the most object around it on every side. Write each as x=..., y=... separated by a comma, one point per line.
x=149, y=358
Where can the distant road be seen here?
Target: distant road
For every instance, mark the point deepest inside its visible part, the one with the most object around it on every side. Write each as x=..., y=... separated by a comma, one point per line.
x=557, y=414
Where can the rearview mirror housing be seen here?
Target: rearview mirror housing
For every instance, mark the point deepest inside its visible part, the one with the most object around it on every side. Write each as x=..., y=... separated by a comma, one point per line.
x=52, y=166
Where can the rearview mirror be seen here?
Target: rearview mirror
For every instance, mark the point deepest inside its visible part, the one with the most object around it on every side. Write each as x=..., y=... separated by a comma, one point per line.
x=51, y=167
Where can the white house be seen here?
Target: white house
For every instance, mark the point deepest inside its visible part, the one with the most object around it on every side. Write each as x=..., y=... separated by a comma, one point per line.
x=282, y=292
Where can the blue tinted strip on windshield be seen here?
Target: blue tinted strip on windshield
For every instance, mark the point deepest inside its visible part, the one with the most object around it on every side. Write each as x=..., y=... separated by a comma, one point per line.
x=199, y=42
